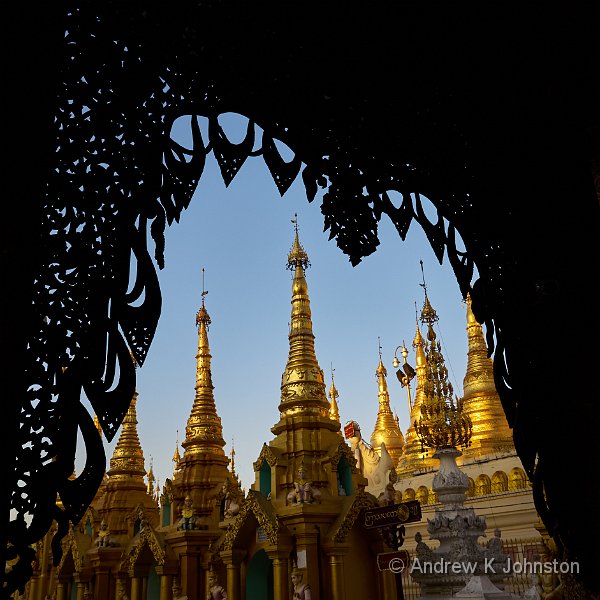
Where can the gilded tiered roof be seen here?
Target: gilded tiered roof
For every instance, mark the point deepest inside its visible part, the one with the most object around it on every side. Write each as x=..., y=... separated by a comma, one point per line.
x=386, y=428
x=481, y=401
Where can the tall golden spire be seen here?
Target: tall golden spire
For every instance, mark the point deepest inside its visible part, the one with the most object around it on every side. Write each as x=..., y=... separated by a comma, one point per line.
x=414, y=457
x=176, y=456
x=482, y=403
x=203, y=432
x=302, y=383
x=306, y=431
x=127, y=462
x=151, y=479
x=443, y=422
x=386, y=427
x=334, y=412
x=232, y=458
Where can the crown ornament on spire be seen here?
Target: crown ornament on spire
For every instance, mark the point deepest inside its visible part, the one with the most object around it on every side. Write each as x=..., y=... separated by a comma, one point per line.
x=443, y=422
x=202, y=316
x=297, y=256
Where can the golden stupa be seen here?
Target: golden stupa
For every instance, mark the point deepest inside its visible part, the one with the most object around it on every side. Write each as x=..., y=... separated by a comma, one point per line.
x=334, y=411
x=415, y=456
x=204, y=463
x=481, y=401
x=386, y=429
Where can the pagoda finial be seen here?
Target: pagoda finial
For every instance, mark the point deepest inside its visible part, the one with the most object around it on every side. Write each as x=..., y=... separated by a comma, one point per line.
x=381, y=370
x=302, y=385
x=334, y=412
x=428, y=314
x=443, y=422
x=151, y=478
x=232, y=455
x=297, y=256
x=202, y=316
x=203, y=432
x=176, y=455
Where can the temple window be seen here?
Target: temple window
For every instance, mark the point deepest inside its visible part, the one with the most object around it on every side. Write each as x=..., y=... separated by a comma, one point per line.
x=344, y=474
x=265, y=479
x=166, y=512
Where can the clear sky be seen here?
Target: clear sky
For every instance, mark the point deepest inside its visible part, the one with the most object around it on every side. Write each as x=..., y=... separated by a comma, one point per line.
x=241, y=236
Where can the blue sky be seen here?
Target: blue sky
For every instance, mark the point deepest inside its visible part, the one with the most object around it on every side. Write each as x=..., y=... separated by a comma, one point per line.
x=241, y=236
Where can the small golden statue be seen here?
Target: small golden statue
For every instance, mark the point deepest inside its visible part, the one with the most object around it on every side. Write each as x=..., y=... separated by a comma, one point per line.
x=188, y=520
x=104, y=539
x=303, y=492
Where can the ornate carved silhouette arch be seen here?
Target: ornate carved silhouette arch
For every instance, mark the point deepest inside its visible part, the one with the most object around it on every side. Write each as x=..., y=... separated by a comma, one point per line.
x=407, y=99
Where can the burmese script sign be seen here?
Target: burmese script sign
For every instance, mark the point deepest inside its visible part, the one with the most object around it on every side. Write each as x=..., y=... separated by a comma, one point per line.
x=349, y=430
x=395, y=514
